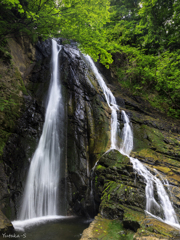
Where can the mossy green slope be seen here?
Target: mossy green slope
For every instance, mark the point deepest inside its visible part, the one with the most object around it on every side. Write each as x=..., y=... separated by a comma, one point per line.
x=122, y=197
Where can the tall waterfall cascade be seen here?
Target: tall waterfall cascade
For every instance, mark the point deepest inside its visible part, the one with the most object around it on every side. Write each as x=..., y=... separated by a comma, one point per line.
x=126, y=147
x=41, y=191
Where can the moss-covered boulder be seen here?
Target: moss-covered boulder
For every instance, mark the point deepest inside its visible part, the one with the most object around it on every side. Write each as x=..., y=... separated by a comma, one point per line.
x=153, y=228
x=120, y=194
x=115, y=186
x=103, y=228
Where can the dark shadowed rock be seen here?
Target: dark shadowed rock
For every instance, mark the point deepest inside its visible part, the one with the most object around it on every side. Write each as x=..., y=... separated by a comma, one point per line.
x=5, y=225
x=133, y=225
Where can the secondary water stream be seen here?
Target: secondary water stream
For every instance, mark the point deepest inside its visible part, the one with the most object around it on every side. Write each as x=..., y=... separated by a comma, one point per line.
x=164, y=205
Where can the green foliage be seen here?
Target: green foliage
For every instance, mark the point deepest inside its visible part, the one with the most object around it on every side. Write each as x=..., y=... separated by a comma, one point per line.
x=72, y=19
x=110, y=229
x=145, y=33
x=116, y=227
x=100, y=167
x=4, y=53
x=80, y=20
x=122, y=27
x=146, y=36
x=3, y=138
x=9, y=113
x=6, y=104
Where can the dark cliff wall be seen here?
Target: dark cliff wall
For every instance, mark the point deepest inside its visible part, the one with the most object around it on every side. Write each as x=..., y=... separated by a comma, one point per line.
x=88, y=122
x=24, y=131
x=21, y=120
x=85, y=137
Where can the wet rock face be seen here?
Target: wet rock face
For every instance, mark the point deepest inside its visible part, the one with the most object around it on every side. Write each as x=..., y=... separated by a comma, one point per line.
x=116, y=188
x=43, y=49
x=88, y=121
x=17, y=154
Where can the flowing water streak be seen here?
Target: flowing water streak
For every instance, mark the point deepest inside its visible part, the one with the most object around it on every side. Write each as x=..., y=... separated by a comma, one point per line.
x=152, y=206
x=126, y=148
x=127, y=136
x=41, y=190
x=110, y=99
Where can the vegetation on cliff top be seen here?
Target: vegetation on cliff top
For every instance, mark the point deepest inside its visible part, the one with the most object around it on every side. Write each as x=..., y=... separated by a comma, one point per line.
x=80, y=20
x=145, y=34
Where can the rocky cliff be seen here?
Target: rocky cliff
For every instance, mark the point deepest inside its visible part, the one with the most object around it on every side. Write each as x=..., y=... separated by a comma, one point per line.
x=18, y=127
x=86, y=133
x=113, y=190
x=119, y=191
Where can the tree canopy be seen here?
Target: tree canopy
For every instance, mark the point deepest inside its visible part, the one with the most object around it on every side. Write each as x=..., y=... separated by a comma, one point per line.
x=146, y=34
x=80, y=20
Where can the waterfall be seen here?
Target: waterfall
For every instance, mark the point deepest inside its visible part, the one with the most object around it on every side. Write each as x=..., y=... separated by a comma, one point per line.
x=126, y=147
x=110, y=99
x=41, y=190
x=127, y=136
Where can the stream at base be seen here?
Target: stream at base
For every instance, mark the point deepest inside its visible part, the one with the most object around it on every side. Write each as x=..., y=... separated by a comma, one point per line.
x=64, y=228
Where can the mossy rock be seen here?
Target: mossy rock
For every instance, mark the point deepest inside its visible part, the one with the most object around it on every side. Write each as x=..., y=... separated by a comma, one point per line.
x=113, y=158
x=153, y=227
x=106, y=229
x=124, y=199
x=11, y=100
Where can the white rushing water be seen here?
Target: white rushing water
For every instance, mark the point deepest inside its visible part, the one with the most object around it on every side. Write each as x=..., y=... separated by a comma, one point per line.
x=164, y=205
x=110, y=99
x=41, y=190
x=21, y=225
